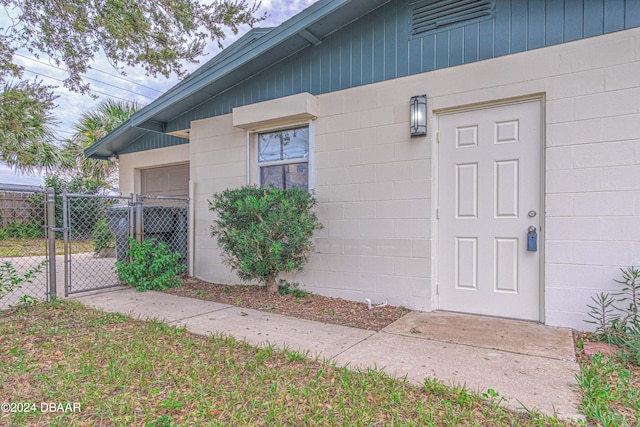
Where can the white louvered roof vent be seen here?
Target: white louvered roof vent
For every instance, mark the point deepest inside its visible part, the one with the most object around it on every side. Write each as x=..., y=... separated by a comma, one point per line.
x=430, y=15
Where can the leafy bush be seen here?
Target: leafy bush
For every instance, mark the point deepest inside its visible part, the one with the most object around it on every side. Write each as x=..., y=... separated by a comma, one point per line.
x=616, y=315
x=152, y=266
x=11, y=281
x=264, y=231
x=102, y=237
x=32, y=229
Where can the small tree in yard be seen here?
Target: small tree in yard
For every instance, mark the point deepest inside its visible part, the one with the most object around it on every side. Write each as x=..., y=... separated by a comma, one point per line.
x=263, y=231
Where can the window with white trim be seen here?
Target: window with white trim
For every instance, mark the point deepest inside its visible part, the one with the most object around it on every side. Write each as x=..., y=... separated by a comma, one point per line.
x=283, y=158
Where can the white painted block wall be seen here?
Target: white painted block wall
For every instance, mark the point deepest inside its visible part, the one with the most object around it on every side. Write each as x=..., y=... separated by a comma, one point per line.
x=375, y=185
x=593, y=175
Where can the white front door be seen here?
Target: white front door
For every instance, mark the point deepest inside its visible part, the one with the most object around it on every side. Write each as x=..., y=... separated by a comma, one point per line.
x=489, y=196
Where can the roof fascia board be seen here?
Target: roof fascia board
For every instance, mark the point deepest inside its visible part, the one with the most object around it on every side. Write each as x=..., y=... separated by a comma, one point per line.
x=293, y=26
x=88, y=152
x=158, y=127
x=251, y=36
x=224, y=63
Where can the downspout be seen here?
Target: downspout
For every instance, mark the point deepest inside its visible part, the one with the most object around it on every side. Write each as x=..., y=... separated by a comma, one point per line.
x=192, y=228
x=248, y=158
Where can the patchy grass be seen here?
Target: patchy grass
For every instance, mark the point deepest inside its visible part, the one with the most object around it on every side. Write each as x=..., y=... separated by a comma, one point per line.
x=19, y=247
x=130, y=372
x=611, y=391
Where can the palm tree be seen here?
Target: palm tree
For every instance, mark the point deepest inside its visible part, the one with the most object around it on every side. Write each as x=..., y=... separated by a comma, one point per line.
x=26, y=138
x=89, y=129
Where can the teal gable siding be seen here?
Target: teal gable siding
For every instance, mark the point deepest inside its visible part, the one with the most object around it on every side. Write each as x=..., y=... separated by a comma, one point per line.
x=379, y=47
x=153, y=140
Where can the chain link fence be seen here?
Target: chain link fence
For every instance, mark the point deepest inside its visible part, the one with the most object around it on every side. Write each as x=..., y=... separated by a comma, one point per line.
x=23, y=245
x=99, y=229
x=76, y=239
x=166, y=220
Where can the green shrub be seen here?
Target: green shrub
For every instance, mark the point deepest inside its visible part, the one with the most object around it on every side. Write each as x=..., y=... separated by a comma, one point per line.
x=11, y=280
x=152, y=266
x=264, y=231
x=616, y=315
x=32, y=229
x=102, y=237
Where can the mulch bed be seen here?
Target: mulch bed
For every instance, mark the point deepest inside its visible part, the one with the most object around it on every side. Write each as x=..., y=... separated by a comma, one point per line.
x=312, y=307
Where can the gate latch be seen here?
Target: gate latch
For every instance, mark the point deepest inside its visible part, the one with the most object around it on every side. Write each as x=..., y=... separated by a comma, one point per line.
x=532, y=239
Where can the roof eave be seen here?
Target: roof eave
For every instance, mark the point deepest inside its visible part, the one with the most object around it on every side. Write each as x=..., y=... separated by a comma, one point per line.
x=223, y=64
x=110, y=137
x=295, y=25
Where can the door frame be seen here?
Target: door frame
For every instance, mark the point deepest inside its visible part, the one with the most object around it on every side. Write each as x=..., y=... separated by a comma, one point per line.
x=435, y=163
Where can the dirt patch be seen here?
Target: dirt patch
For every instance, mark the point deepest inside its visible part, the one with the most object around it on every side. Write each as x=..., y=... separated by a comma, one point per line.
x=312, y=307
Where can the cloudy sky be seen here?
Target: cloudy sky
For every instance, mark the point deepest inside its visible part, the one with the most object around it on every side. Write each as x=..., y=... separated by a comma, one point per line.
x=105, y=81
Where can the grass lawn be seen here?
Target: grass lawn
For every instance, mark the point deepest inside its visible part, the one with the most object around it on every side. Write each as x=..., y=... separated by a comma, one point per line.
x=129, y=372
x=15, y=247
x=611, y=391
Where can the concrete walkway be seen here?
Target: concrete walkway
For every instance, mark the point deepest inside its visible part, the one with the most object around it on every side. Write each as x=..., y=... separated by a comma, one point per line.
x=528, y=364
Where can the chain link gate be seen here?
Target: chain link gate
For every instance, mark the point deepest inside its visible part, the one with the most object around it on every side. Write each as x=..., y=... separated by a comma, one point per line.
x=96, y=233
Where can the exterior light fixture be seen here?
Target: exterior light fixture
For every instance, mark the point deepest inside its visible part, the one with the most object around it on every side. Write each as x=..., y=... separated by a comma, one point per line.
x=418, y=115
x=113, y=157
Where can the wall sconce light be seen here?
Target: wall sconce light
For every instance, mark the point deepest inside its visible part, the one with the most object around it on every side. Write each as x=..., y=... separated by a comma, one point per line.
x=418, y=115
x=113, y=157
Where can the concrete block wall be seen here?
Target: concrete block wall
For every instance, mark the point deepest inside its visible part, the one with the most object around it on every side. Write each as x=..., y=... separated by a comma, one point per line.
x=591, y=151
x=218, y=162
x=376, y=188
x=591, y=93
x=373, y=185
x=593, y=174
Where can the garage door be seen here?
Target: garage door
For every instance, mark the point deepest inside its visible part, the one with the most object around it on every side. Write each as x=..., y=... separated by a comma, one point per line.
x=165, y=181
x=489, y=194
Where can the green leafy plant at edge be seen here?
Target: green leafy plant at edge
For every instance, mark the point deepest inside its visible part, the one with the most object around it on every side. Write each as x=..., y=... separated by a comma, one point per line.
x=616, y=315
x=152, y=266
x=11, y=280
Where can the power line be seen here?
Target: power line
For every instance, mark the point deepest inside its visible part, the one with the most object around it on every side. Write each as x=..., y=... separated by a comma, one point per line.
x=95, y=69
x=92, y=79
x=126, y=80
x=90, y=90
